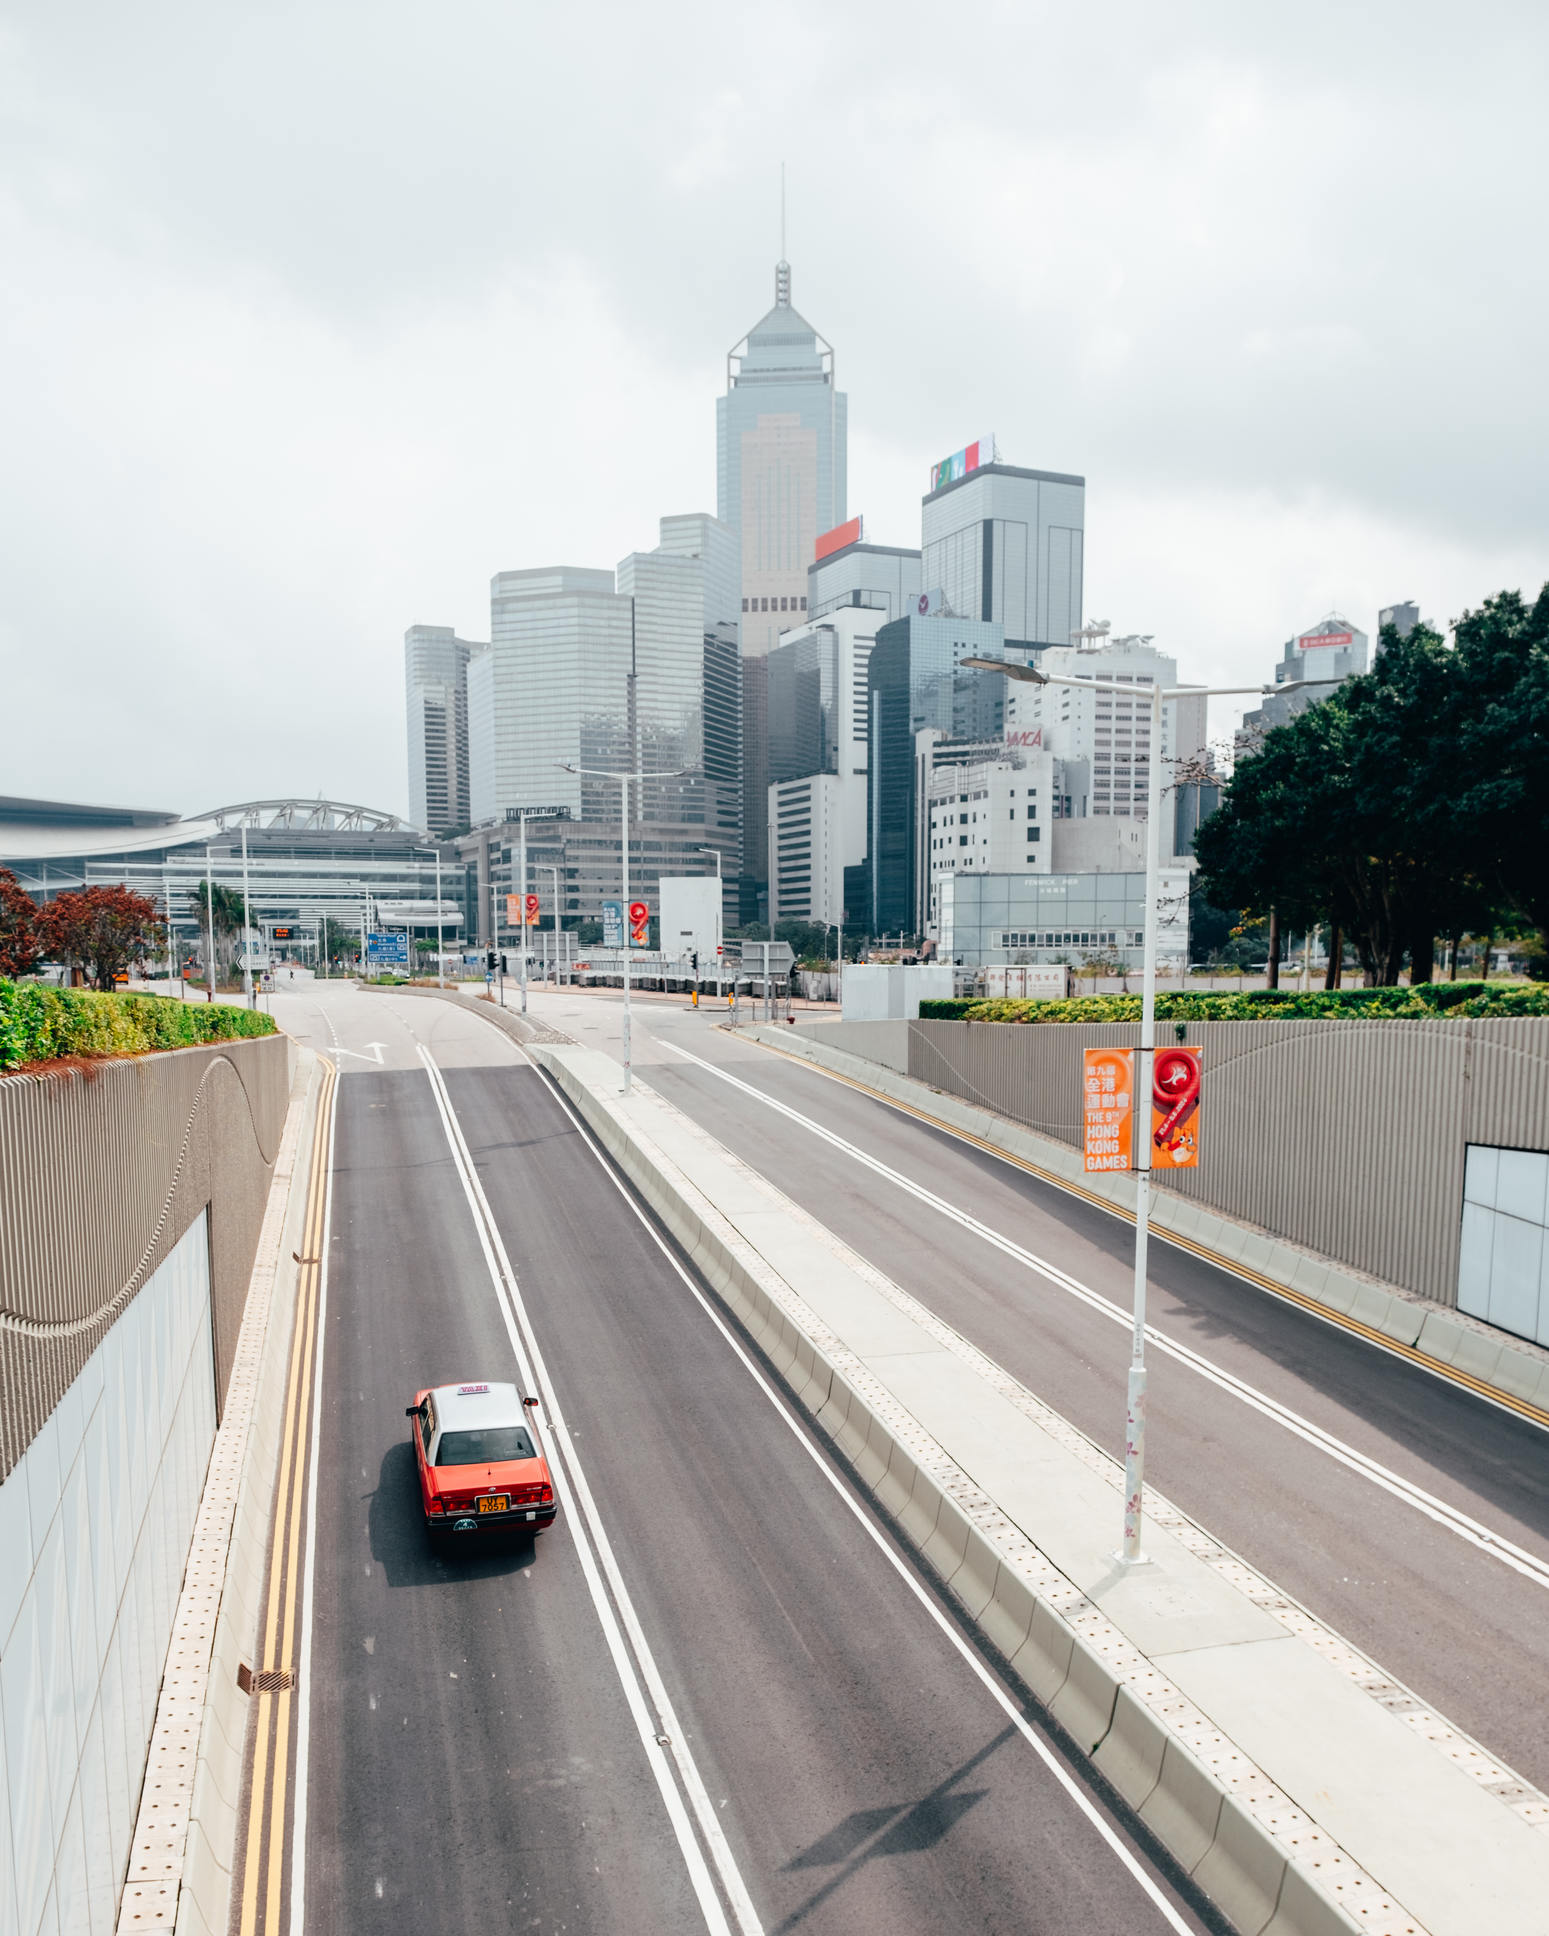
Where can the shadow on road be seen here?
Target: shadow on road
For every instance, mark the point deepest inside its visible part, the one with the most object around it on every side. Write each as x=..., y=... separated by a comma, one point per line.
x=901, y=1828
x=404, y=1550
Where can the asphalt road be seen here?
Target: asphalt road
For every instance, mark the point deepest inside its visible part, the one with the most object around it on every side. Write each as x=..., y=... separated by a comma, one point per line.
x=1466, y=1633
x=475, y=1763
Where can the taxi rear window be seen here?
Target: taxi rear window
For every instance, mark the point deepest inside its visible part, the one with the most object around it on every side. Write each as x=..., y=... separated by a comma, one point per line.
x=486, y=1446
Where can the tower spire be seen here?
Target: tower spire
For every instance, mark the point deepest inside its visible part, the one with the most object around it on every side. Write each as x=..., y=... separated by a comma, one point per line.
x=782, y=267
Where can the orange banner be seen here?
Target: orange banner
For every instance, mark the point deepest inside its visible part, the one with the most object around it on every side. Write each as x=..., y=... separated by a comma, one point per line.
x=1107, y=1108
x=1175, y=1088
x=513, y=910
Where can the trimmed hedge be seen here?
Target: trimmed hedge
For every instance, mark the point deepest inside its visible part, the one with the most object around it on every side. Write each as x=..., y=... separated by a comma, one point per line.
x=1427, y=1001
x=39, y=1023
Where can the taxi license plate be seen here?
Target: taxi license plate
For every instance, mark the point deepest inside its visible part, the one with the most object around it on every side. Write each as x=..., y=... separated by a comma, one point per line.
x=498, y=1503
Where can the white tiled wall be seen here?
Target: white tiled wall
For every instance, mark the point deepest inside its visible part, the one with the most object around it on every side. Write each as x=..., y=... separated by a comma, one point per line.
x=1503, y=1264
x=94, y=1528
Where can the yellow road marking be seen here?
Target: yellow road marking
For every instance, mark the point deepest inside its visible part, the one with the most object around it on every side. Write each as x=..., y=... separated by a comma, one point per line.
x=264, y=1854
x=1536, y=1414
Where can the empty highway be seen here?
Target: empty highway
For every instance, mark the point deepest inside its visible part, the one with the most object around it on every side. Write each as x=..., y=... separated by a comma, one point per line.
x=713, y=1696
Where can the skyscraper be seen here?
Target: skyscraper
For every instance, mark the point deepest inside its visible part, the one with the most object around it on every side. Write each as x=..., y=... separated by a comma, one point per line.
x=780, y=480
x=1006, y=545
x=623, y=672
x=435, y=665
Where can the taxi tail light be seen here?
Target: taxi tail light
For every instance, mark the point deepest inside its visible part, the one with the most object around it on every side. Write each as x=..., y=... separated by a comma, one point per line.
x=435, y=1506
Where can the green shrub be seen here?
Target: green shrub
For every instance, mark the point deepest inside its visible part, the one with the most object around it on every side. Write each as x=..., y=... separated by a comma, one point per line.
x=39, y=1023
x=1430, y=999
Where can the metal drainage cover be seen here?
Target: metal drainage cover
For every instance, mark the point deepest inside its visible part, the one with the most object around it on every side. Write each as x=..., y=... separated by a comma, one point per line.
x=273, y=1680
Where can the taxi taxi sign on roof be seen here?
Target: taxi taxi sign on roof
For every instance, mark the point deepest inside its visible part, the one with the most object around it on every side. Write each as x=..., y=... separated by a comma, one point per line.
x=467, y=1391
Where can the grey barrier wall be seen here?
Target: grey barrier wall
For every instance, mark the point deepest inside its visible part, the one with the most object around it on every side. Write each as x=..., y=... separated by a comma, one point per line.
x=100, y=1176
x=1348, y=1137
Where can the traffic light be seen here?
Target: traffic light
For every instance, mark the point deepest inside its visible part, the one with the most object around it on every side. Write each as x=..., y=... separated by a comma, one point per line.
x=503, y=969
x=694, y=961
x=489, y=961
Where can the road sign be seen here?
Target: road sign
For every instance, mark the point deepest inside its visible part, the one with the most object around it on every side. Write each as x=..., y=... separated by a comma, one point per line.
x=639, y=925
x=762, y=957
x=283, y=934
x=613, y=924
x=387, y=950
x=532, y=910
x=1107, y=1108
x=1175, y=1087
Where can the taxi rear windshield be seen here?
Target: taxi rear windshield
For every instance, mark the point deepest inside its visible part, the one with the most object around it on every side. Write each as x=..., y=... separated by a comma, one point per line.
x=486, y=1446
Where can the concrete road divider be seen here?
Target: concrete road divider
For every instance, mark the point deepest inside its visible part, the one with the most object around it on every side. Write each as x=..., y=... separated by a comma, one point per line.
x=1277, y=1798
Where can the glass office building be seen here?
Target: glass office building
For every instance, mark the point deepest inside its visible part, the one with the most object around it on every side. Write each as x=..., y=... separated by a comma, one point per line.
x=435, y=664
x=1006, y=545
x=919, y=695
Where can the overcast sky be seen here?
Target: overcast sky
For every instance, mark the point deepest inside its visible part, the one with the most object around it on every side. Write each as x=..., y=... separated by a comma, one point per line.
x=315, y=316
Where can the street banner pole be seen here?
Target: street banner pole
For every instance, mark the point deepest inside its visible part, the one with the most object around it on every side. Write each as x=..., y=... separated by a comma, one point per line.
x=624, y=937
x=522, y=906
x=247, y=927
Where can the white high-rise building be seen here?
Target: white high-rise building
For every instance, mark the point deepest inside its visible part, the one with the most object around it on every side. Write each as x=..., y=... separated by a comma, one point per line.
x=435, y=664
x=806, y=850
x=1103, y=739
x=989, y=816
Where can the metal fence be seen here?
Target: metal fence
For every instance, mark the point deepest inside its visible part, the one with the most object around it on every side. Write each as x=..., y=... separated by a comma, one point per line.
x=1348, y=1137
x=100, y=1175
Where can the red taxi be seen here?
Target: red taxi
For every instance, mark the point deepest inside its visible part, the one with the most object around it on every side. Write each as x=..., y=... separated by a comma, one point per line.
x=480, y=1464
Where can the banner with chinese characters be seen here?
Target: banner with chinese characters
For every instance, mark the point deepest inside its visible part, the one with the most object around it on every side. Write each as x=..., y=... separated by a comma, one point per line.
x=1175, y=1086
x=1107, y=1108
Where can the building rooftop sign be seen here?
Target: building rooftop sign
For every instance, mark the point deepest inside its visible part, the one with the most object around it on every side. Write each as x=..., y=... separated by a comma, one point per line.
x=971, y=457
x=839, y=538
x=1307, y=640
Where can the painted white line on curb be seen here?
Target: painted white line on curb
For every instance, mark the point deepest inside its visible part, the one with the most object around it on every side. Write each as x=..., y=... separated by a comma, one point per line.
x=915, y=1585
x=634, y=1663
x=1455, y=1521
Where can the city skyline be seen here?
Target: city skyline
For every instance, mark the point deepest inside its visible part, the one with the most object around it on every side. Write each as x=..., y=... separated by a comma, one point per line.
x=266, y=416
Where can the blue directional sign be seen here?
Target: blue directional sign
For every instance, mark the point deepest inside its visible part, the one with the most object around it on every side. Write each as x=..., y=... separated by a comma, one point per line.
x=387, y=950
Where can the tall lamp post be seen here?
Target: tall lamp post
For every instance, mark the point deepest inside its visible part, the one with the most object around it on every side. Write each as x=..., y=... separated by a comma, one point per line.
x=720, y=917
x=603, y=773
x=247, y=927
x=544, y=868
x=1135, y=1411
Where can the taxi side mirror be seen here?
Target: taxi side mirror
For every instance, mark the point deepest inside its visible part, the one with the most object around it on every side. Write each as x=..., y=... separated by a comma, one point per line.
x=411, y=1411
x=532, y=1402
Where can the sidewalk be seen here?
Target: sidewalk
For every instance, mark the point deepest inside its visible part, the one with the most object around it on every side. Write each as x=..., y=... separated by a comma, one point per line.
x=1304, y=1790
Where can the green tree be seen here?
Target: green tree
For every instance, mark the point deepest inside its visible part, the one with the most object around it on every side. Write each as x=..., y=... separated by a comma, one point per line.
x=1348, y=815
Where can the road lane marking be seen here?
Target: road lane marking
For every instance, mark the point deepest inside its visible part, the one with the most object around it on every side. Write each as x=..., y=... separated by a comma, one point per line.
x=298, y=1860
x=1503, y=1401
x=900, y=1566
x=264, y=1831
x=660, y=1734
x=1466, y=1528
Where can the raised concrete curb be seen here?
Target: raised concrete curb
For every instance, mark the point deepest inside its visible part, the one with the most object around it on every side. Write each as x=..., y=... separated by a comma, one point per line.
x=1301, y=1805
x=1498, y=1366
x=180, y=1871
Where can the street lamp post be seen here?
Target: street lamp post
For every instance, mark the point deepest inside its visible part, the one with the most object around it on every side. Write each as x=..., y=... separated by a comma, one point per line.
x=209, y=915
x=603, y=773
x=1135, y=1408
x=440, y=926
x=247, y=927
x=720, y=917
x=545, y=868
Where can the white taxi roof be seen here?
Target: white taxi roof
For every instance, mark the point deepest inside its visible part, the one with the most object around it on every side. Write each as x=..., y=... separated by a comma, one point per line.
x=460, y=1408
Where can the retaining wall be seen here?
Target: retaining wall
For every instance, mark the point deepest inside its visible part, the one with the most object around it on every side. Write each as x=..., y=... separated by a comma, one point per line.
x=100, y=1177
x=1345, y=1137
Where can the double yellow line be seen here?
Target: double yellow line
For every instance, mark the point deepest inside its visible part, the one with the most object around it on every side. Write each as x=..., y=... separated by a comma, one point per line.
x=264, y=1833
x=1451, y=1373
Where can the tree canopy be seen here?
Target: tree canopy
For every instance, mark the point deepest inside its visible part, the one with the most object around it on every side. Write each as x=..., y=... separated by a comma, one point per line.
x=1412, y=802
x=100, y=929
x=21, y=942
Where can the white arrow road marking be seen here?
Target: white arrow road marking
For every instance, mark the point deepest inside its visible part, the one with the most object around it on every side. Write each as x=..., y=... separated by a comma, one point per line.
x=363, y=1053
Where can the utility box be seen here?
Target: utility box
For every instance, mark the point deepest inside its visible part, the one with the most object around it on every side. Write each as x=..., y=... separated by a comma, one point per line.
x=887, y=992
x=691, y=918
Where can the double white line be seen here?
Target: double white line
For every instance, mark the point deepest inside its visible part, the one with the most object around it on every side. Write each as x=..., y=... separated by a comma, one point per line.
x=682, y=1788
x=1439, y=1511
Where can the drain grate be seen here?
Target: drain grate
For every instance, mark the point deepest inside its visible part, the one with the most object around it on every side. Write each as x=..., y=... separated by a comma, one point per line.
x=273, y=1680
